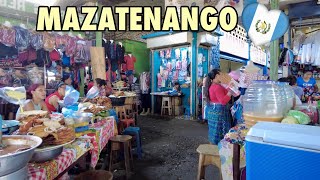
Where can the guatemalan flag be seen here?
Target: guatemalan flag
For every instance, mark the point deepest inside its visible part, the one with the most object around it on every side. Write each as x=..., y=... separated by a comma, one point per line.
x=264, y=26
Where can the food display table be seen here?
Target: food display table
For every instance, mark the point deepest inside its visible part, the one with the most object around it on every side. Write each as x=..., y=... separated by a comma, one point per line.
x=93, y=143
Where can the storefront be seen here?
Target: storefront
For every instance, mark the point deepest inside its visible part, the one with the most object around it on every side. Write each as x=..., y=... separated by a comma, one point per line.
x=183, y=58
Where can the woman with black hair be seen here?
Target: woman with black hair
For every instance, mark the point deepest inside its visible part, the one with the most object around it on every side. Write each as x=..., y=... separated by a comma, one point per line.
x=217, y=112
x=309, y=85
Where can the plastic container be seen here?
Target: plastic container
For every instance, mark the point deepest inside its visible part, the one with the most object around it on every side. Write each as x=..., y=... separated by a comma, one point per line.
x=263, y=101
x=288, y=93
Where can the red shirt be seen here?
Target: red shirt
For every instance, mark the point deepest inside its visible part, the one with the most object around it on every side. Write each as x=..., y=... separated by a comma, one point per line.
x=90, y=85
x=218, y=94
x=50, y=107
x=130, y=62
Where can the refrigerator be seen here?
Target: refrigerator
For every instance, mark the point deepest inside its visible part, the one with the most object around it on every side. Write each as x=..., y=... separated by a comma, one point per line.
x=276, y=151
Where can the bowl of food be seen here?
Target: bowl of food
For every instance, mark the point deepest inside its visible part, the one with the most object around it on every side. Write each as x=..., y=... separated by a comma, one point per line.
x=17, y=152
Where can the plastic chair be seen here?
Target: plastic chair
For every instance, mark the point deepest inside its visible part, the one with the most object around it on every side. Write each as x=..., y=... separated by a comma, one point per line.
x=135, y=131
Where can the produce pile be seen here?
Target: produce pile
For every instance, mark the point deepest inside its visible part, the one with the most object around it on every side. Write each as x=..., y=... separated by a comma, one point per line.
x=52, y=132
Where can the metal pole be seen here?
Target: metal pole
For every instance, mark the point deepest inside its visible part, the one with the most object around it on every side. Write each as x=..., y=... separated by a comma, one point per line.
x=274, y=49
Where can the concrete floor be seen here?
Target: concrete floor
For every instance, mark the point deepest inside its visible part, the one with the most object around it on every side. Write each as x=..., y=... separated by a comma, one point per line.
x=169, y=147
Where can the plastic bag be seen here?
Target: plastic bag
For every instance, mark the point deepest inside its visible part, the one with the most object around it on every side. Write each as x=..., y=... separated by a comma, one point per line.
x=14, y=95
x=300, y=116
x=93, y=92
x=71, y=97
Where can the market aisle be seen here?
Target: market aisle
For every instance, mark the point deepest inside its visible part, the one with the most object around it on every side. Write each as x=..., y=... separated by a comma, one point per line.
x=170, y=149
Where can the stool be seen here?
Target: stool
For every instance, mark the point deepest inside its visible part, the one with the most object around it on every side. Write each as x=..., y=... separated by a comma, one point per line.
x=209, y=155
x=127, y=122
x=116, y=141
x=166, y=104
x=135, y=131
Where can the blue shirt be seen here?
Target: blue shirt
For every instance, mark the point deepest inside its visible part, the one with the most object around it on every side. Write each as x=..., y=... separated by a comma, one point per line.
x=308, y=87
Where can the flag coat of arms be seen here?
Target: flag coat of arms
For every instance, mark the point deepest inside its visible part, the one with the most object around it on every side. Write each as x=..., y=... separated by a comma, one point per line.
x=264, y=26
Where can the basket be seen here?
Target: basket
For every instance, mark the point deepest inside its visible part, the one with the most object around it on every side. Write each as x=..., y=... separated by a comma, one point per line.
x=117, y=101
x=95, y=174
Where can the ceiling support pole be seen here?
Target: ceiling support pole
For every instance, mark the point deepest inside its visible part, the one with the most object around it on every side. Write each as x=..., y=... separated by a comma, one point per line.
x=274, y=50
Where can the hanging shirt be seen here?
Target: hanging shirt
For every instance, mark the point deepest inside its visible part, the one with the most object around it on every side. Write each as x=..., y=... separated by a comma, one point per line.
x=218, y=94
x=145, y=82
x=130, y=62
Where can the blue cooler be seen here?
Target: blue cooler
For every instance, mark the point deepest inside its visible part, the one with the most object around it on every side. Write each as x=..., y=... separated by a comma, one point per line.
x=276, y=151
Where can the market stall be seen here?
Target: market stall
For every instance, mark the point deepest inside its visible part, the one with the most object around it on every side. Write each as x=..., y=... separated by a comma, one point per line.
x=179, y=58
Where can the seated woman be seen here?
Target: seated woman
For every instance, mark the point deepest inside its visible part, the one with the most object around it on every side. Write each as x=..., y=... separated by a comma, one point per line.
x=52, y=101
x=35, y=99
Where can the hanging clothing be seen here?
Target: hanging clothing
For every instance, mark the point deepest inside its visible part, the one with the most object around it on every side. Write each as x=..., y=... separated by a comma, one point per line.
x=49, y=41
x=36, y=40
x=7, y=36
x=80, y=55
x=22, y=38
x=159, y=79
x=145, y=82
x=130, y=60
x=112, y=51
x=120, y=53
x=8, y=52
x=50, y=107
x=71, y=46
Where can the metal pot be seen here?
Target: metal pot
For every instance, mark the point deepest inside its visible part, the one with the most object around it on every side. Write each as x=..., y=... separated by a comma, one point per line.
x=13, y=162
x=40, y=156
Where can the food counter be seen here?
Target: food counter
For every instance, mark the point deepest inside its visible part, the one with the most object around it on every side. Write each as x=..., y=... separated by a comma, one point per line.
x=92, y=143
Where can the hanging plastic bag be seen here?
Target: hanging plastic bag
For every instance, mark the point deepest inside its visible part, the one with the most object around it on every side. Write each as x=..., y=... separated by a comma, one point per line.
x=93, y=92
x=14, y=95
x=71, y=97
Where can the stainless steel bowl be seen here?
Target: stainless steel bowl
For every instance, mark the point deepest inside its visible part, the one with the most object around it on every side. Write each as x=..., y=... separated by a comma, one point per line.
x=40, y=156
x=46, y=154
x=13, y=162
x=20, y=174
x=83, y=117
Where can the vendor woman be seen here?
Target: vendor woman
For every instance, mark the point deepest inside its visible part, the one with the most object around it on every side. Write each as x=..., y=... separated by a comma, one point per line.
x=308, y=84
x=35, y=99
x=217, y=112
x=52, y=101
